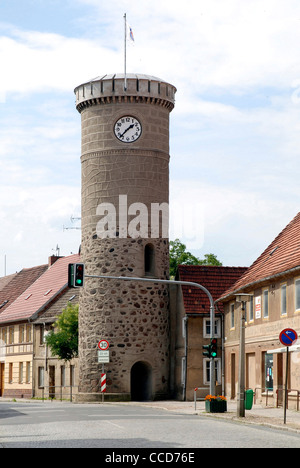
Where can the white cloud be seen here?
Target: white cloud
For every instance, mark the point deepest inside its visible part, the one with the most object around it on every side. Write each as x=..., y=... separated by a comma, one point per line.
x=234, y=131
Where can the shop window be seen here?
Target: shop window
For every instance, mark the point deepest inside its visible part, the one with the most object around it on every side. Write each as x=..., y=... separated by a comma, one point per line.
x=269, y=360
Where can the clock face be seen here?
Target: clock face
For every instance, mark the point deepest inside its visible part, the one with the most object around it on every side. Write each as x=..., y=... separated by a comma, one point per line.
x=128, y=129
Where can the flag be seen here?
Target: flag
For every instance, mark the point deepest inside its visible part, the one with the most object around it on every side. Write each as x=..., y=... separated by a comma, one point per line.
x=130, y=35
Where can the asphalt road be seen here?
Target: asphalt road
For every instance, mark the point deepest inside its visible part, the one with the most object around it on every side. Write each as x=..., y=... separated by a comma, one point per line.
x=121, y=426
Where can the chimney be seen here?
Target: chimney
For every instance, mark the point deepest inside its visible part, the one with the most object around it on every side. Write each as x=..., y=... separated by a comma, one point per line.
x=52, y=260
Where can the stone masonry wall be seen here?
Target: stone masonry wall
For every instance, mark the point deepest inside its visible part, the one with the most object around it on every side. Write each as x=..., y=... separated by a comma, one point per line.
x=132, y=316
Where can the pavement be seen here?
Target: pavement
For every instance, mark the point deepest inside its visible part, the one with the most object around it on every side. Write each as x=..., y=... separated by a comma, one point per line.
x=258, y=415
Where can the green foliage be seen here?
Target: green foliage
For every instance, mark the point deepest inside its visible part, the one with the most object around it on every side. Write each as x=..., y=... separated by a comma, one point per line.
x=179, y=256
x=63, y=339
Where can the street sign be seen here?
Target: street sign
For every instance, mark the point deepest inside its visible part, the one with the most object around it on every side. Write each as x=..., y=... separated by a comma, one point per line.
x=288, y=336
x=103, y=357
x=103, y=345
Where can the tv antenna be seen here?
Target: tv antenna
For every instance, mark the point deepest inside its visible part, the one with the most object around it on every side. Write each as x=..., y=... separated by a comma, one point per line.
x=73, y=219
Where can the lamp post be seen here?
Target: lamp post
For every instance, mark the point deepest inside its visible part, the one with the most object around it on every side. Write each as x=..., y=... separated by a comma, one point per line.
x=243, y=299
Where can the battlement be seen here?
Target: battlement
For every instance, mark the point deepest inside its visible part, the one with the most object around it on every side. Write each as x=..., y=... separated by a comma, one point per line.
x=111, y=89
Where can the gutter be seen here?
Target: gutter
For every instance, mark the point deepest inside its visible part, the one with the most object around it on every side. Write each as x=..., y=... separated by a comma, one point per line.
x=254, y=283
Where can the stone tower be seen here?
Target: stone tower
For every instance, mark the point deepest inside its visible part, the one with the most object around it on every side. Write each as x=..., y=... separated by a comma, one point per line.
x=125, y=191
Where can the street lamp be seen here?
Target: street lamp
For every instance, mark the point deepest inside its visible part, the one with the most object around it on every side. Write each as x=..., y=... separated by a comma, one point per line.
x=242, y=299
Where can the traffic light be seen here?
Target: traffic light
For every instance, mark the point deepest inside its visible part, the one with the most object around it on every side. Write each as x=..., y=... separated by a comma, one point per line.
x=213, y=348
x=75, y=275
x=207, y=351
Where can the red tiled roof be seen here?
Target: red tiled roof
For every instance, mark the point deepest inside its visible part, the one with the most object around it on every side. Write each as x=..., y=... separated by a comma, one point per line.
x=6, y=279
x=39, y=294
x=18, y=283
x=216, y=279
x=281, y=256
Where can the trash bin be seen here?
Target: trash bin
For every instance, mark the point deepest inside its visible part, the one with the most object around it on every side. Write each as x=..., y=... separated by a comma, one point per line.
x=249, y=399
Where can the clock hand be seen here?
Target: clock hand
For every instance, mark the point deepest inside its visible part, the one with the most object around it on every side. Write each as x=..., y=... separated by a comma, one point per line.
x=131, y=126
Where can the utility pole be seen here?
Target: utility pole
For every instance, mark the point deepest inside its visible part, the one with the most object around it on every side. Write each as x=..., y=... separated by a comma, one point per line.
x=243, y=299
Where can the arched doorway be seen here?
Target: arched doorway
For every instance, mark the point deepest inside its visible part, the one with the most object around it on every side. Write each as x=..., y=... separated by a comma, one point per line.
x=141, y=382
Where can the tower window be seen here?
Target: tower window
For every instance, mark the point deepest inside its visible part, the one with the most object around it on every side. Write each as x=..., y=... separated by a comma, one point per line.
x=149, y=260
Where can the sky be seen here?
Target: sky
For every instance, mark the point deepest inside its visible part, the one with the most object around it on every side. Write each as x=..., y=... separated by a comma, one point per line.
x=234, y=131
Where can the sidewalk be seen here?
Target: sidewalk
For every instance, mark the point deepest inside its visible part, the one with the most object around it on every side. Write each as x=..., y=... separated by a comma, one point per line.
x=260, y=415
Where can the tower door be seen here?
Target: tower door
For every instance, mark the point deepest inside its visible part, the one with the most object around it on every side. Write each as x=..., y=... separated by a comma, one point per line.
x=141, y=382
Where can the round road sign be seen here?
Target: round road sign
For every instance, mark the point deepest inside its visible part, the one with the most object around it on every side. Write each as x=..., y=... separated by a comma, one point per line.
x=103, y=345
x=288, y=336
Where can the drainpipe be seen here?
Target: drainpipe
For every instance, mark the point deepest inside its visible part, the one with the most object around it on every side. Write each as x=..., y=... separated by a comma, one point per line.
x=184, y=334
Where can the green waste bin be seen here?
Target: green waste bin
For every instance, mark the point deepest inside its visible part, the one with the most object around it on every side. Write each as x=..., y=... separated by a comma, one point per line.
x=249, y=399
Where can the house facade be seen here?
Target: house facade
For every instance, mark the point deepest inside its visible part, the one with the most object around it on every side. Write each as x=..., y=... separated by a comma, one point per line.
x=31, y=303
x=16, y=337
x=273, y=281
x=190, y=328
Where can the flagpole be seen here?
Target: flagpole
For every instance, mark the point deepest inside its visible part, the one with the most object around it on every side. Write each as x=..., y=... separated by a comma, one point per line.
x=125, y=38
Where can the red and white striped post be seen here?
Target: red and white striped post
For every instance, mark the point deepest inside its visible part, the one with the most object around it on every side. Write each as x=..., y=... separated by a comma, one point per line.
x=103, y=383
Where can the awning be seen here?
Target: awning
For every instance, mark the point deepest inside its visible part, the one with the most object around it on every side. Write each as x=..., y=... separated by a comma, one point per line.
x=292, y=349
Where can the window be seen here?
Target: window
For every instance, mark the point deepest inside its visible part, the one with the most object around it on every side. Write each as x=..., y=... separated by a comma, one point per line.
x=231, y=315
x=72, y=376
x=27, y=372
x=269, y=371
x=149, y=260
x=283, y=300
x=206, y=370
x=251, y=309
x=266, y=303
x=183, y=370
x=21, y=334
x=20, y=372
x=10, y=372
x=28, y=333
x=62, y=376
x=4, y=335
x=42, y=335
x=11, y=335
x=206, y=328
x=41, y=377
x=297, y=294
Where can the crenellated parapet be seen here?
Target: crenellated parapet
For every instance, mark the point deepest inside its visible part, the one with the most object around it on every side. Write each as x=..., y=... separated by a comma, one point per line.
x=110, y=89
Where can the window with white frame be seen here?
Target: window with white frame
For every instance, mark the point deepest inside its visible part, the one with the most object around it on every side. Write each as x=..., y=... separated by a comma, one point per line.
x=266, y=303
x=206, y=328
x=206, y=370
x=297, y=294
x=231, y=315
x=251, y=309
x=283, y=309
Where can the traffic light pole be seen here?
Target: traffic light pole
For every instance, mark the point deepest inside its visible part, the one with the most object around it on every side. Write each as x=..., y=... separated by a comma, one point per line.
x=183, y=283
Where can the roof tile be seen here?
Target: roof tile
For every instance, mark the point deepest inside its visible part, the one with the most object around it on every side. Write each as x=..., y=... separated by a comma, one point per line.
x=282, y=255
x=32, y=300
x=216, y=279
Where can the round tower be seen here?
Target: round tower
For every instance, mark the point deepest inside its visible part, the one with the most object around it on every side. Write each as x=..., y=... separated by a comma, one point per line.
x=125, y=196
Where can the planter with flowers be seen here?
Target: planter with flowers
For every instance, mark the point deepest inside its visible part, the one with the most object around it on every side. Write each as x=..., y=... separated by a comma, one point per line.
x=215, y=404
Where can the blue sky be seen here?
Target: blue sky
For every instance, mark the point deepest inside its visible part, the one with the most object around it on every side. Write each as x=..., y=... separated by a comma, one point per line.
x=235, y=139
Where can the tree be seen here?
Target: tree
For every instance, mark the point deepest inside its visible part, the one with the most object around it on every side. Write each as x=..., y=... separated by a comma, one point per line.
x=180, y=256
x=63, y=339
